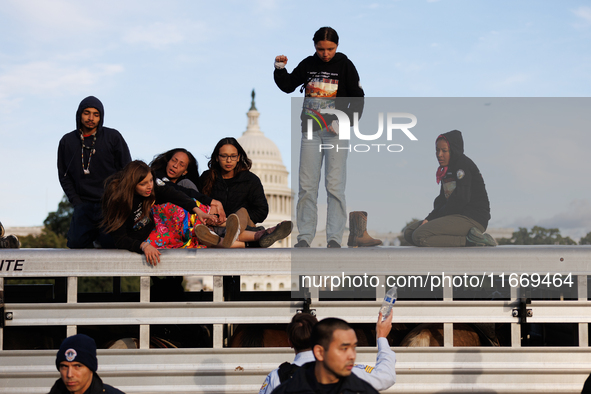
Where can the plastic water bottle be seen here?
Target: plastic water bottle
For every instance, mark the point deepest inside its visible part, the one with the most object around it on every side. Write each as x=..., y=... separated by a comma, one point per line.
x=389, y=300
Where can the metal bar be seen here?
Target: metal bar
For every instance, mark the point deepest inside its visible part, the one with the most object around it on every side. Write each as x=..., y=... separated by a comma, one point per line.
x=505, y=370
x=583, y=327
x=144, y=336
x=377, y=261
x=218, y=296
x=3, y=312
x=448, y=334
x=72, y=291
x=282, y=311
x=71, y=299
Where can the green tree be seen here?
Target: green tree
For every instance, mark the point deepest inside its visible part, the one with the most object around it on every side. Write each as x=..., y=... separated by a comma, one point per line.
x=56, y=228
x=586, y=240
x=47, y=239
x=59, y=221
x=401, y=236
x=537, y=236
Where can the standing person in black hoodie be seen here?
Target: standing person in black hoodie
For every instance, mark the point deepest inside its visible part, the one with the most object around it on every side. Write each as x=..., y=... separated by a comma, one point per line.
x=461, y=211
x=327, y=75
x=82, y=175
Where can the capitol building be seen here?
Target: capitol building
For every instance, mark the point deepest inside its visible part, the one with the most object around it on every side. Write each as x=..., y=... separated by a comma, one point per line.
x=268, y=165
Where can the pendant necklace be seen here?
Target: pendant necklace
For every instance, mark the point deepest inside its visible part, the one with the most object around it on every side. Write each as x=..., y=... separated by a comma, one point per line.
x=91, y=149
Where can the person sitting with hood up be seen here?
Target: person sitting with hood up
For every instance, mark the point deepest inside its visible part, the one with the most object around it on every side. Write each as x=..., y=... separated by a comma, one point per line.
x=462, y=210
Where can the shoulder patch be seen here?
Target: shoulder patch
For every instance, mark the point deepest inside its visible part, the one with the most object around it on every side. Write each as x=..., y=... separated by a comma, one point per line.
x=366, y=368
x=160, y=182
x=460, y=174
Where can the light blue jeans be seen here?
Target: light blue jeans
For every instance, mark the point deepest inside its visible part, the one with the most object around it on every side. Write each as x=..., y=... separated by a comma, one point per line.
x=335, y=175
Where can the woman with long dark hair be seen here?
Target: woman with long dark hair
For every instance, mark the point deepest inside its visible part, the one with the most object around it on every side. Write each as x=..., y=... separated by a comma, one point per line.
x=330, y=81
x=143, y=217
x=179, y=168
x=230, y=181
x=461, y=212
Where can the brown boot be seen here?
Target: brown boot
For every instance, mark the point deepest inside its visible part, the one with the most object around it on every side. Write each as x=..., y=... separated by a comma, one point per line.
x=358, y=236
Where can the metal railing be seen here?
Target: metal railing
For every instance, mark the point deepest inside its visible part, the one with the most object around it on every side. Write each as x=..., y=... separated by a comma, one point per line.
x=502, y=370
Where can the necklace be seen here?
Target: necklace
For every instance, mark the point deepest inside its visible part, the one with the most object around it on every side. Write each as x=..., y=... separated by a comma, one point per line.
x=92, y=150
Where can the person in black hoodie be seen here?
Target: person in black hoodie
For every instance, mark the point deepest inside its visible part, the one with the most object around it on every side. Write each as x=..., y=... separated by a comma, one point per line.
x=82, y=176
x=241, y=192
x=331, y=82
x=462, y=210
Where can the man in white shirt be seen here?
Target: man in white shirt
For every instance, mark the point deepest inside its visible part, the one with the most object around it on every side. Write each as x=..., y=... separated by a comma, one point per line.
x=381, y=377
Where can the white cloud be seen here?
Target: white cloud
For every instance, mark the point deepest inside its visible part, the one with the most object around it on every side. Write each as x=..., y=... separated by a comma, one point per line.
x=576, y=215
x=44, y=19
x=51, y=79
x=157, y=35
x=583, y=13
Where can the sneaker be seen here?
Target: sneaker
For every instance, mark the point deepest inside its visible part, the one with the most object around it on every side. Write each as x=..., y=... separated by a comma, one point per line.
x=206, y=236
x=478, y=238
x=301, y=244
x=255, y=229
x=232, y=231
x=9, y=242
x=276, y=233
x=333, y=244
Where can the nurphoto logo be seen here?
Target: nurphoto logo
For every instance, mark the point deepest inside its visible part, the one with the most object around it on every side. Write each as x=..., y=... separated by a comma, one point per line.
x=344, y=130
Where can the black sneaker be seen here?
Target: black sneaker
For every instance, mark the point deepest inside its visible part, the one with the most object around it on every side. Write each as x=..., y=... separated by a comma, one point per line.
x=301, y=244
x=478, y=238
x=333, y=244
x=280, y=231
x=9, y=242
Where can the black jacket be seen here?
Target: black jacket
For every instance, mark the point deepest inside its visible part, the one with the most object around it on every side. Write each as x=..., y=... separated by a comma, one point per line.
x=110, y=155
x=339, y=73
x=464, y=184
x=304, y=381
x=131, y=235
x=197, y=195
x=244, y=190
x=96, y=387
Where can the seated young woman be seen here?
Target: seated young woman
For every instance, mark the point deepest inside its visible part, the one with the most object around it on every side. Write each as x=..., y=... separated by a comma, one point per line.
x=143, y=217
x=178, y=168
x=462, y=210
x=230, y=181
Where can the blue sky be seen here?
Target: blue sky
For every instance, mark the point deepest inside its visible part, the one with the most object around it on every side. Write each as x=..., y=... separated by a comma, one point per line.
x=179, y=73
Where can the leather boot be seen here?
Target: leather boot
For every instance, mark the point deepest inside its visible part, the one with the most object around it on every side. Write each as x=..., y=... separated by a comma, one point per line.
x=358, y=236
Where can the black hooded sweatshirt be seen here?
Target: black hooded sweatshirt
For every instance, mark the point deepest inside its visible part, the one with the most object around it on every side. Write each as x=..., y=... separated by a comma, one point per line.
x=110, y=155
x=313, y=73
x=244, y=190
x=464, y=185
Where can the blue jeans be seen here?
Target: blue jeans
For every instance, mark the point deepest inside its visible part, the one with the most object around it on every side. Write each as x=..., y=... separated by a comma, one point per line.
x=85, y=227
x=335, y=176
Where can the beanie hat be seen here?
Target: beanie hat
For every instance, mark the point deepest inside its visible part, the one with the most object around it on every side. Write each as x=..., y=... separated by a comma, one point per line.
x=80, y=348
